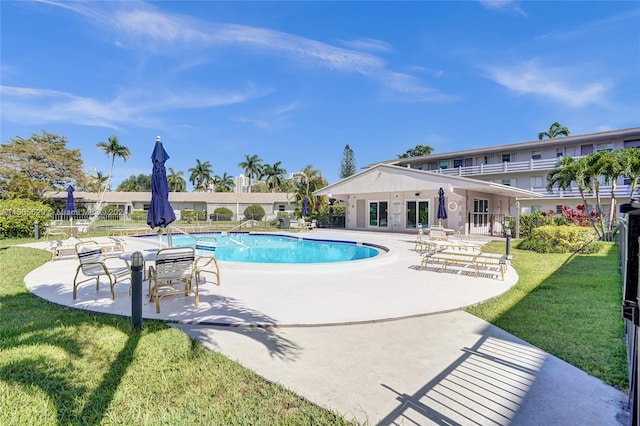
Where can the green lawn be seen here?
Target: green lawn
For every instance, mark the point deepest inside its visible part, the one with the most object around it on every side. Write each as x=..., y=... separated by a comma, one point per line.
x=568, y=305
x=66, y=366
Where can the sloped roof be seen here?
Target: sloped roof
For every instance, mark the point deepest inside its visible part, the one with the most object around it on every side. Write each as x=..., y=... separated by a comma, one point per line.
x=389, y=178
x=180, y=197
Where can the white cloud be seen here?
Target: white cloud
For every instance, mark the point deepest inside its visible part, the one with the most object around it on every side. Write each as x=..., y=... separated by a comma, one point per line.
x=503, y=6
x=143, y=26
x=560, y=85
x=33, y=106
x=368, y=44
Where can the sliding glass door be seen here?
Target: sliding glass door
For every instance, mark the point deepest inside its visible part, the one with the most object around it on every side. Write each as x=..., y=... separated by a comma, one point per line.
x=417, y=212
x=378, y=214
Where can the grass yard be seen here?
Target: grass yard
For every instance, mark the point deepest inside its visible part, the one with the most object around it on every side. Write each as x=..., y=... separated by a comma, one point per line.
x=66, y=366
x=568, y=305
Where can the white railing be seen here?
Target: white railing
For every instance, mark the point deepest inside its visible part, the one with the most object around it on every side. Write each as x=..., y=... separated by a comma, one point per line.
x=505, y=167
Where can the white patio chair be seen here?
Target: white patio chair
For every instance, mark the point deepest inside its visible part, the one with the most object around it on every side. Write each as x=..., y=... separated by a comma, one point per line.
x=93, y=265
x=172, y=274
x=206, y=261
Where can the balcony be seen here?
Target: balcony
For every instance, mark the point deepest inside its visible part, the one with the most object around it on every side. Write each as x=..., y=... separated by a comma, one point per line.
x=621, y=193
x=500, y=168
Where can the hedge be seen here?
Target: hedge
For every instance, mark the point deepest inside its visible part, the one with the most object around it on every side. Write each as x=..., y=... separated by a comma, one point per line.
x=18, y=217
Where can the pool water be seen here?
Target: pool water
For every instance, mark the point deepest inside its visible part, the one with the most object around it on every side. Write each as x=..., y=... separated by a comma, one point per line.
x=270, y=248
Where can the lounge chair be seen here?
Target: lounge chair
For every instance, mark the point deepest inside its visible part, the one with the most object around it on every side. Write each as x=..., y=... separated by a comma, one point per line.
x=93, y=264
x=206, y=261
x=172, y=274
x=437, y=233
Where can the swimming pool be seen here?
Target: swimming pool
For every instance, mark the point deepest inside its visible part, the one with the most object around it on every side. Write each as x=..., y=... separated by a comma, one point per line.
x=275, y=248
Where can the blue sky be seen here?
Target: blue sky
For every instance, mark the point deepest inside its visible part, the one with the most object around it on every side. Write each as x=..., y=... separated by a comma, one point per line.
x=297, y=81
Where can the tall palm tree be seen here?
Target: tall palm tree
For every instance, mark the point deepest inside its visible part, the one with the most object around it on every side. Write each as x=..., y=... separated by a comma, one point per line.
x=273, y=174
x=114, y=149
x=223, y=183
x=555, y=130
x=176, y=182
x=252, y=167
x=568, y=171
x=200, y=176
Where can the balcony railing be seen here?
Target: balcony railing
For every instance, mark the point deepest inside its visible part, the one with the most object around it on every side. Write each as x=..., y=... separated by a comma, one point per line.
x=621, y=192
x=506, y=167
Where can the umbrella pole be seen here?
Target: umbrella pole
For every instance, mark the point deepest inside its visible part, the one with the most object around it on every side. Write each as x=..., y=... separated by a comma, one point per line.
x=169, y=240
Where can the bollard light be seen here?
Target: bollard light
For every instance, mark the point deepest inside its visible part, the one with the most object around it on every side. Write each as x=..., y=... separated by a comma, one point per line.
x=137, y=263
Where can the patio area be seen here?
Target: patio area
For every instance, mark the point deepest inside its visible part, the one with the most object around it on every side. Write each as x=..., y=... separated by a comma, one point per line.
x=389, y=286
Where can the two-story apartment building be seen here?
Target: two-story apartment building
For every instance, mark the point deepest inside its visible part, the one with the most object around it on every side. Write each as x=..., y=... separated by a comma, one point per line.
x=525, y=165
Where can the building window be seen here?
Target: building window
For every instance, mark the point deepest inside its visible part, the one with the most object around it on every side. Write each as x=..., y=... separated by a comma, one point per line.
x=559, y=152
x=506, y=182
x=605, y=147
x=146, y=207
x=559, y=208
x=536, y=181
x=486, y=160
x=506, y=158
x=444, y=164
x=536, y=208
x=586, y=149
x=419, y=166
x=280, y=207
x=536, y=155
x=457, y=163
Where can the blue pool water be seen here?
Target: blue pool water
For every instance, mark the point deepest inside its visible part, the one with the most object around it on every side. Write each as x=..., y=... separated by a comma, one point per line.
x=271, y=248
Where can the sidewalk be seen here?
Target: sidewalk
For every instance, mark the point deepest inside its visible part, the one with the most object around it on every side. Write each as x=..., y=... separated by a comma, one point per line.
x=442, y=369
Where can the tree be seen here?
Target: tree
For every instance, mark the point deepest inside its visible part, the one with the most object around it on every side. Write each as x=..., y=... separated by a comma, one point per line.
x=114, y=149
x=140, y=183
x=273, y=175
x=630, y=160
x=568, y=171
x=252, y=167
x=30, y=167
x=310, y=181
x=555, y=130
x=348, y=164
x=200, y=176
x=175, y=181
x=610, y=166
x=95, y=183
x=418, y=151
x=223, y=183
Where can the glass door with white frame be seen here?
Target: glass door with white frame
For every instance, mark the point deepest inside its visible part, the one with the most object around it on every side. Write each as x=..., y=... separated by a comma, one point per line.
x=378, y=214
x=417, y=213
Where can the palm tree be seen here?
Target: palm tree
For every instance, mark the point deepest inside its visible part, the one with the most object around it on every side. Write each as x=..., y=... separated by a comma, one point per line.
x=223, y=183
x=97, y=181
x=176, y=182
x=273, y=174
x=311, y=181
x=610, y=166
x=630, y=161
x=555, y=130
x=114, y=149
x=252, y=167
x=200, y=176
x=569, y=171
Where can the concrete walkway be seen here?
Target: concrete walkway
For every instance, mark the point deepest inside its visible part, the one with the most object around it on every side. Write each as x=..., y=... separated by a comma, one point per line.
x=378, y=341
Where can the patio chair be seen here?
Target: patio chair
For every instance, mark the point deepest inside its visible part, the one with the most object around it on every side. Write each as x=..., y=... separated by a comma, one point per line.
x=437, y=233
x=206, y=261
x=172, y=274
x=93, y=264
x=313, y=226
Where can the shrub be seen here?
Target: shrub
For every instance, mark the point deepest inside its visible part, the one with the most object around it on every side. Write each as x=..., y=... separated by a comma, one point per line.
x=561, y=239
x=190, y=216
x=18, y=216
x=221, y=214
x=111, y=210
x=529, y=222
x=254, y=212
x=138, y=215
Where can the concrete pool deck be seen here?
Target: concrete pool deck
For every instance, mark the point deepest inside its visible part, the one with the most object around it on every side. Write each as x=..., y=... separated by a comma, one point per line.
x=388, y=286
x=430, y=367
